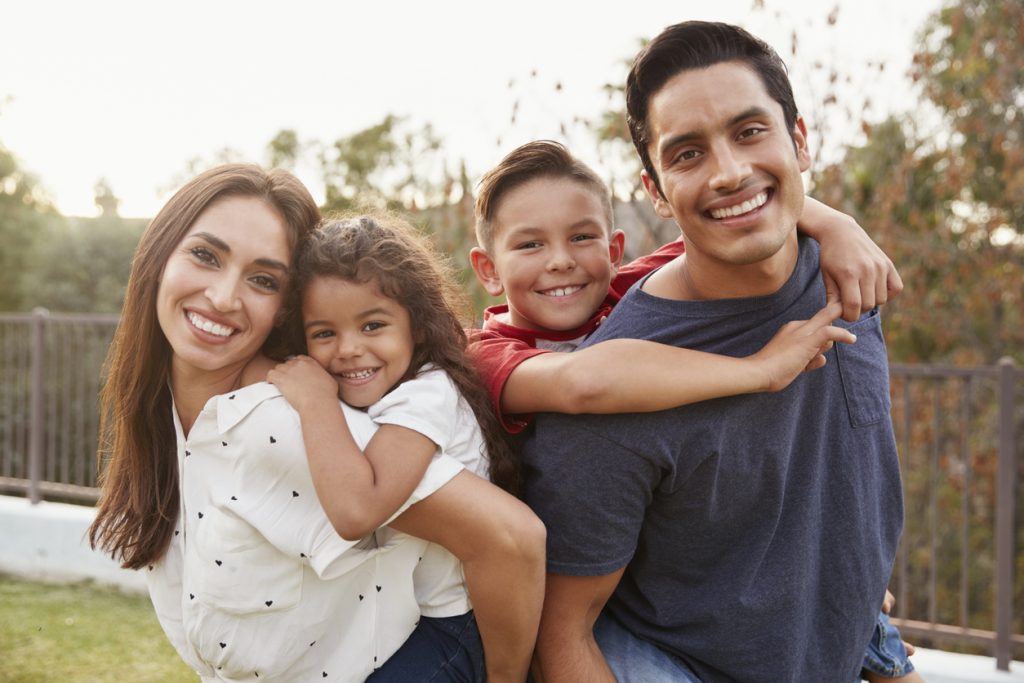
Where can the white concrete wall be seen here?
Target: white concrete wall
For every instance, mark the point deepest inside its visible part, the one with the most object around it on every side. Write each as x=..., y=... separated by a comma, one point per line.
x=47, y=542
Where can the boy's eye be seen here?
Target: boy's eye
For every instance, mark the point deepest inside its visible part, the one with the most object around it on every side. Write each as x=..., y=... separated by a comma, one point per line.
x=204, y=255
x=532, y=244
x=582, y=238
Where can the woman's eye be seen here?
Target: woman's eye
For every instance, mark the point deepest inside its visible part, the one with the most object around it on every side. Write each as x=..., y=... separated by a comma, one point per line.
x=266, y=282
x=203, y=255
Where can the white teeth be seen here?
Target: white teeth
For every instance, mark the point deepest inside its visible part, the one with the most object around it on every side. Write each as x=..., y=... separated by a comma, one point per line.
x=358, y=374
x=739, y=209
x=562, y=291
x=209, y=326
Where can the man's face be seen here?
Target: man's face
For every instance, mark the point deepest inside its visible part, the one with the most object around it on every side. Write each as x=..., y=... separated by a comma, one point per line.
x=552, y=255
x=728, y=166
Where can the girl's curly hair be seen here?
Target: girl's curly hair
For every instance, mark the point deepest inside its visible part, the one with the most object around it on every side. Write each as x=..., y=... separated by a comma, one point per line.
x=387, y=250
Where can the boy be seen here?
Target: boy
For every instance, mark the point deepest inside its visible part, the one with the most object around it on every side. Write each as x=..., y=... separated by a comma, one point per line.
x=544, y=228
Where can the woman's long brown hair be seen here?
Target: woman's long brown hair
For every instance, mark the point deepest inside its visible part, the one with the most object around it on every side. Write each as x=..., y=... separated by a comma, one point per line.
x=138, y=463
x=384, y=249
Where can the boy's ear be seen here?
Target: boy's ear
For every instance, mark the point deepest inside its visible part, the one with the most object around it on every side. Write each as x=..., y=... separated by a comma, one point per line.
x=616, y=248
x=485, y=271
x=661, y=206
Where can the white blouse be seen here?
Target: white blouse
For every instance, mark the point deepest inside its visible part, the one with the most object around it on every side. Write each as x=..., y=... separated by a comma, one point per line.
x=256, y=584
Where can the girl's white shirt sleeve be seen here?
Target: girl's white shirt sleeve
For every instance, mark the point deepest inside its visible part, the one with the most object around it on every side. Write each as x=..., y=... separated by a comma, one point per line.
x=431, y=405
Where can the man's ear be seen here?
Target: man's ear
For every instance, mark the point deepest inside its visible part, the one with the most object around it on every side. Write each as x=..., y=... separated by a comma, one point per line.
x=803, y=154
x=616, y=248
x=661, y=206
x=485, y=271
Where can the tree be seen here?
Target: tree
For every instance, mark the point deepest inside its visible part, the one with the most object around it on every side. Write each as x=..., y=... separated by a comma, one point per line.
x=25, y=211
x=946, y=204
x=970, y=67
x=388, y=164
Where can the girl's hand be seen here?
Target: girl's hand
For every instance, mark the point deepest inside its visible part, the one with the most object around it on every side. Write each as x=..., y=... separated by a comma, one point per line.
x=799, y=346
x=303, y=382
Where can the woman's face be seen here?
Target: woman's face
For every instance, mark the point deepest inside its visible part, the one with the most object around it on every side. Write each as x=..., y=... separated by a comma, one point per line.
x=223, y=285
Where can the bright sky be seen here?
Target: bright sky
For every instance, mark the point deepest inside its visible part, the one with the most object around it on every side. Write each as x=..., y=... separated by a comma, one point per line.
x=130, y=90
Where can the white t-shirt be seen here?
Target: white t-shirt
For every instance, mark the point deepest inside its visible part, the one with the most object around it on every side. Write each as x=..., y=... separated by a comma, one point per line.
x=431, y=405
x=256, y=584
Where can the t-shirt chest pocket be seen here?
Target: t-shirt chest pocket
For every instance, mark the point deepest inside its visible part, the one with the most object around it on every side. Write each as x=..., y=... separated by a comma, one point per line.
x=864, y=372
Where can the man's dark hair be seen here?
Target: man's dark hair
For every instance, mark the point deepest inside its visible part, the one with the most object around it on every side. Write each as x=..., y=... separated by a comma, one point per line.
x=698, y=45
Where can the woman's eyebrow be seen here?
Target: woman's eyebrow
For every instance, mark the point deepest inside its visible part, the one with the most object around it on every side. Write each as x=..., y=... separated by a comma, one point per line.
x=223, y=246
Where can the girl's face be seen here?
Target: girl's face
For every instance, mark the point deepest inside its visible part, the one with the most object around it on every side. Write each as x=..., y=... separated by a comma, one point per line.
x=363, y=338
x=223, y=285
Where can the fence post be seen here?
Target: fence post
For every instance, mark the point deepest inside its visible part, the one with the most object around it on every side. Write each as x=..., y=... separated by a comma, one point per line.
x=35, y=434
x=1005, y=504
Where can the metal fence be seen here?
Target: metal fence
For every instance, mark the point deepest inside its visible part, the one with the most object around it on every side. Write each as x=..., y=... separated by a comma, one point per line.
x=959, y=431
x=50, y=366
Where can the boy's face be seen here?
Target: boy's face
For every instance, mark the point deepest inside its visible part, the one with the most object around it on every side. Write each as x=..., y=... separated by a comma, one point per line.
x=728, y=165
x=552, y=256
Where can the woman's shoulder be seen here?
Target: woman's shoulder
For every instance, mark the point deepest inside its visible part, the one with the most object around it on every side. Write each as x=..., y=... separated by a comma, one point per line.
x=256, y=369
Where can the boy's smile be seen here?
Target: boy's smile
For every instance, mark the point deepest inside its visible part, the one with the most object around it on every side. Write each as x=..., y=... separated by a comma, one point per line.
x=553, y=258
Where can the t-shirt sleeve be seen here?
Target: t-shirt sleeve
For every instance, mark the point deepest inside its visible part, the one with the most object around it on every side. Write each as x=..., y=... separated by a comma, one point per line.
x=638, y=268
x=426, y=404
x=496, y=357
x=590, y=492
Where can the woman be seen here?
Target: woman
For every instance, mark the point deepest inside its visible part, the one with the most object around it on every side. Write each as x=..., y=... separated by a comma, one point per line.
x=206, y=485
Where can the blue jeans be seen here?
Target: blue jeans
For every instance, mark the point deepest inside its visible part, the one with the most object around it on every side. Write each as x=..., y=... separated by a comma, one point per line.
x=441, y=649
x=633, y=660
x=885, y=654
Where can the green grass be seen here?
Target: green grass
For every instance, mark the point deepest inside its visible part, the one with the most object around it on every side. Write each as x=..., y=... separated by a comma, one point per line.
x=82, y=632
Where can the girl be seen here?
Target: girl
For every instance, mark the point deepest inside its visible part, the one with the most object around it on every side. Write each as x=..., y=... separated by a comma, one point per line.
x=205, y=483
x=381, y=328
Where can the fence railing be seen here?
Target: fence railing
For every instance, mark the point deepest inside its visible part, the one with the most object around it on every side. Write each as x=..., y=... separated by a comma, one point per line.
x=50, y=367
x=959, y=432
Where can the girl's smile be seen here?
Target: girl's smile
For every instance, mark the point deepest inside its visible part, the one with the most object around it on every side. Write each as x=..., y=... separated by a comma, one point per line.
x=361, y=337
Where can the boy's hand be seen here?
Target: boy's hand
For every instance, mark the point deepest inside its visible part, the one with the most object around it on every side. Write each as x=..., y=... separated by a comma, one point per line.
x=856, y=271
x=303, y=382
x=799, y=346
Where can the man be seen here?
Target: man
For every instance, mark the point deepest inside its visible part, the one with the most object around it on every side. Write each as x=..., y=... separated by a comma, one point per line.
x=747, y=538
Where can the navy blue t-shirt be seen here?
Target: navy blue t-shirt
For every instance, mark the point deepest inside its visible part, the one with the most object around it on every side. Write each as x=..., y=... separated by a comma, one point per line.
x=759, y=530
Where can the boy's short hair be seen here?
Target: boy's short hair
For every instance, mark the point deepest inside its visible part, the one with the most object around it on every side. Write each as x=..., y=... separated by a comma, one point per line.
x=698, y=45
x=537, y=159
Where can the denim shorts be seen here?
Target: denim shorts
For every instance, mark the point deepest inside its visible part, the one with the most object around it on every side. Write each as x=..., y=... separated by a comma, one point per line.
x=441, y=650
x=885, y=654
x=633, y=660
